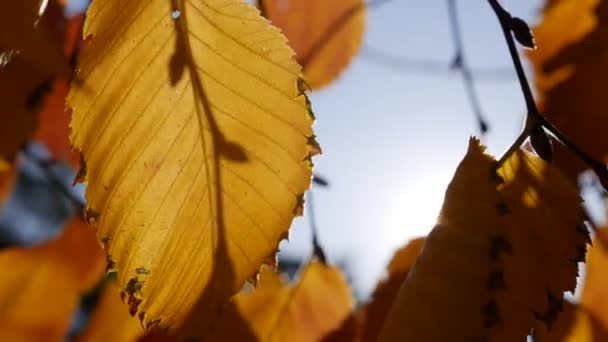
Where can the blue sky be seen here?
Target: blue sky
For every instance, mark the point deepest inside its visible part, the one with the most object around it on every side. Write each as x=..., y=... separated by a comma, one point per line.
x=393, y=138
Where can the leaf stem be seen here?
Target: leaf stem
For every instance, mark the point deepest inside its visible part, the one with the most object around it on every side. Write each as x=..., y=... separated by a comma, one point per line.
x=317, y=249
x=533, y=114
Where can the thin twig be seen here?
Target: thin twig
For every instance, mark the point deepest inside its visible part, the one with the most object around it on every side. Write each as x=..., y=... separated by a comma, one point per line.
x=317, y=250
x=46, y=166
x=461, y=63
x=429, y=66
x=533, y=115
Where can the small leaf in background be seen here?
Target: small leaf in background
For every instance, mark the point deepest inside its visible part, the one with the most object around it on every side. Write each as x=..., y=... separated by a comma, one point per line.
x=522, y=229
x=315, y=306
x=372, y=316
x=193, y=177
x=326, y=35
x=571, y=36
x=22, y=29
x=18, y=79
x=8, y=177
x=110, y=321
x=24, y=85
x=42, y=290
x=53, y=128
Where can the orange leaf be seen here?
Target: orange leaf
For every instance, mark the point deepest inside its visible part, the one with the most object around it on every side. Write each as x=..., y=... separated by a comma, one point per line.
x=8, y=176
x=306, y=311
x=54, y=129
x=325, y=34
x=570, y=65
x=595, y=294
x=373, y=314
x=25, y=84
x=110, y=321
x=23, y=30
x=505, y=248
x=42, y=288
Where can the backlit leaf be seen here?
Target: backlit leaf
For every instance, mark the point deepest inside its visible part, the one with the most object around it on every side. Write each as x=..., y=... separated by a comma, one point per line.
x=42, y=285
x=569, y=65
x=326, y=35
x=197, y=141
x=307, y=311
x=522, y=231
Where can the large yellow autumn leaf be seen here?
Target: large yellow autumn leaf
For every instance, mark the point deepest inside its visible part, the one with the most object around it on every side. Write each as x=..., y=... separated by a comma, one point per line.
x=506, y=246
x=197, y=141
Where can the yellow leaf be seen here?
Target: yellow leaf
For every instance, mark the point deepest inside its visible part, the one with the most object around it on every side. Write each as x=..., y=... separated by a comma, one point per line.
x=594, y=296
x=42, y=285
x=197, y=141
x=504, y=249
x=307, y=311
x=110, y=321
x=326, y=35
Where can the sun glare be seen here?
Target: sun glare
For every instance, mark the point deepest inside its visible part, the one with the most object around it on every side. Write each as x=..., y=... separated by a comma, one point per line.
x=415, y=205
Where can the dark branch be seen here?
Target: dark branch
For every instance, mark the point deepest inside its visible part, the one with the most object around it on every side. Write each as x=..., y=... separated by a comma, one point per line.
x=461, y=64
x=317, y=249
x=534, y=117
x=429, y=66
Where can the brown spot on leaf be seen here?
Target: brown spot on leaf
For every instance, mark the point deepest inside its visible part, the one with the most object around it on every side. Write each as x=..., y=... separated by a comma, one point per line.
x=91, y=216
x=502, y=209
x=498, y=246
x=491, y=315
x=496, y=280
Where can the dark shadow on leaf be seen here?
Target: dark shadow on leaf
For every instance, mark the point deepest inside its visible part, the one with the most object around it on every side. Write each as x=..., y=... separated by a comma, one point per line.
x=222, y=283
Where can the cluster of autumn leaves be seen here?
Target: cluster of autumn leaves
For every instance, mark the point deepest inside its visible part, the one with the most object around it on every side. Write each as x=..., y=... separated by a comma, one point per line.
x=196, y=144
